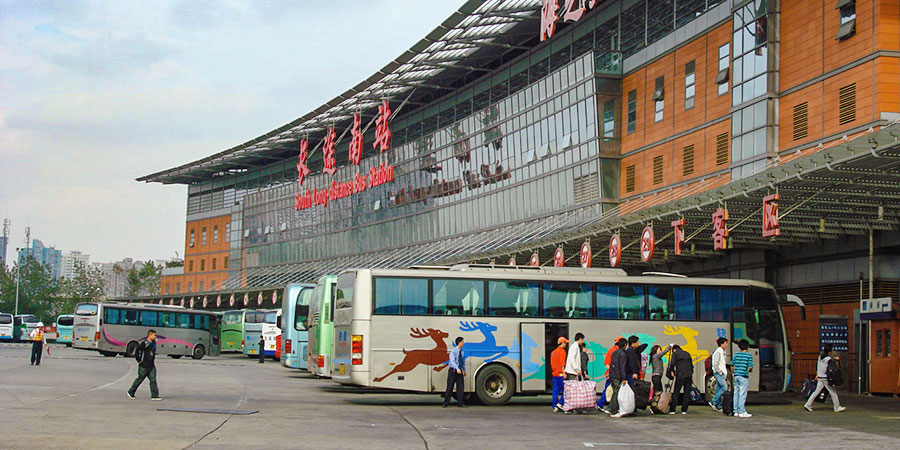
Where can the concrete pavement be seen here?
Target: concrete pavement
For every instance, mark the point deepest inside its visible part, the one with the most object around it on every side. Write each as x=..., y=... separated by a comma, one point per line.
x=76, y=399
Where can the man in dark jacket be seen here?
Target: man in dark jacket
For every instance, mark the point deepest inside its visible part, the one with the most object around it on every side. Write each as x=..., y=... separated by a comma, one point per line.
x=633, y=359
x=146, y=358
x=681, y=368
x=617, y=376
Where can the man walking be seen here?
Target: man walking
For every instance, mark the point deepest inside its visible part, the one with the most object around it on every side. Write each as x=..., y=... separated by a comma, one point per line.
x=456, y=375
x=573, y=358
x=37, y=344
x=146, y=358
x=682, y=370
x=633, y=359
x=557, y=369
x=617, y=376
x=720, y=371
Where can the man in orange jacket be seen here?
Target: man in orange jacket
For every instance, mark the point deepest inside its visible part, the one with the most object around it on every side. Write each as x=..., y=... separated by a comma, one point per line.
x=557, y=368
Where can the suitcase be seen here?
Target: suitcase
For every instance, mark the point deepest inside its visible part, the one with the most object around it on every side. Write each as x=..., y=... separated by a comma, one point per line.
x=809, y=386
x=728, y=403
x=665, y=397
x=579, y=394
x=654, y=404
x=641, y=394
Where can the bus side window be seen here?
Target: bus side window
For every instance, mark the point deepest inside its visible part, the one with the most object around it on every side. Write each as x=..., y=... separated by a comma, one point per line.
x=111, y=316
x=512, y=298
x=459, y=297
x=167, y=319
x=149, y=318
x=716, y=303
x=201, y=321
x=184, y=320
x=565, y=299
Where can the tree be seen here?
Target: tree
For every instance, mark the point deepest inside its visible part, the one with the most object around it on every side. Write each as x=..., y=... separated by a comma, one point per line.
x=88, y=285
x=143, y=281
x=38, y=290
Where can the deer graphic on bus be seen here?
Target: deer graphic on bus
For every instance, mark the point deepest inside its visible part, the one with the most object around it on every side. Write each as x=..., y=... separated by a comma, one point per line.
x=690, y=339
x=437, y=356
x=486, y=348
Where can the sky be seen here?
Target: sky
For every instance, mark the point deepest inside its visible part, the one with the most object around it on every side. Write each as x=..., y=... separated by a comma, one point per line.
x=94, y=94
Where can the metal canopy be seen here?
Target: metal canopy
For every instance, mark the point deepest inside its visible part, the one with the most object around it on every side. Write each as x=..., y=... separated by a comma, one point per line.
x=469, y=42
x=826, y=193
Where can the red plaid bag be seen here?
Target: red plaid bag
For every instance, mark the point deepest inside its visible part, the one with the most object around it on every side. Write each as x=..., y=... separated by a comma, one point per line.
x=579, y=394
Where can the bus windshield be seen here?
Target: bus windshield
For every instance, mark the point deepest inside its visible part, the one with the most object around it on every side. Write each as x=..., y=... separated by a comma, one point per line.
x=86, y=309
x=6, y=319
x=30, y=319
x=254, y=317
x=66, y=321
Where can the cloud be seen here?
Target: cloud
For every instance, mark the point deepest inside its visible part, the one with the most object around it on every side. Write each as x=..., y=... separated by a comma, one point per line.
x=114, y=56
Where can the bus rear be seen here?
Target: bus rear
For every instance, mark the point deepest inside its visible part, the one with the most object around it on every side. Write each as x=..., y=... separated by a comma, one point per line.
x=24, y=324
x=294, y=321
x=324, y=333
x=6, y=327
x=351, y=329
x=270, y=331
x=253, y=326
x=86, y=326
x=232, y=331
x=64, y=327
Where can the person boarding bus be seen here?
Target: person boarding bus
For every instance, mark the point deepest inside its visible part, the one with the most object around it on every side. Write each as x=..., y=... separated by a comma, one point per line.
x=38, y=340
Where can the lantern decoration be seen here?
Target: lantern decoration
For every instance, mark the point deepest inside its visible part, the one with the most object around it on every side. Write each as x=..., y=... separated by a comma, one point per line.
x=615, y=250
x=535, y=260
x=559, y=259
x=648, y=244
x=586, y=256
x=171, y=301
x=512, y=261
x=181, y=303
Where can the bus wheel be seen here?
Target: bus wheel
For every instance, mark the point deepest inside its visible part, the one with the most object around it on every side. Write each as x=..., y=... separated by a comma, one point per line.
x=494, y=385
x=175, y=356
x=198, y=352
x=131, y=348
x=711, y=385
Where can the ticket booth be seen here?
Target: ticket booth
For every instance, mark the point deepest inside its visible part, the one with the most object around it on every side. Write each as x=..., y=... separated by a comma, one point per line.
x=884, y=355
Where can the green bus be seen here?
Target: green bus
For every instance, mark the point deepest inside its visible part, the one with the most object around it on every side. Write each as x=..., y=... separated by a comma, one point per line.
x=321, y=311
x=233, y=330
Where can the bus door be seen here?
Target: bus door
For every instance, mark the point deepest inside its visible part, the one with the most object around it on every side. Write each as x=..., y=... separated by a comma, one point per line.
x=537, y=341
x=744, y=326
x=215, y=330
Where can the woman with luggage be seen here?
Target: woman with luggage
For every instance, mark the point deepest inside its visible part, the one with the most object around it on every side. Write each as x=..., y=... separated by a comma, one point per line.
x=825, y=359
x=656, y=365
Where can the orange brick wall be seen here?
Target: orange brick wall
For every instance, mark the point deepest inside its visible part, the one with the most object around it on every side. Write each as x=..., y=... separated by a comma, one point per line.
x=200, y=253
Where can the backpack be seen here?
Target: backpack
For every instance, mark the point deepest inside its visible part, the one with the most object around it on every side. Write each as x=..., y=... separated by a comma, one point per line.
x=708, y=365
x=835, y=377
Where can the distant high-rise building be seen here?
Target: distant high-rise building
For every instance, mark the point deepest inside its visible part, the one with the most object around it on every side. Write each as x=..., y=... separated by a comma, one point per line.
x=46, y=256
x=116, y=275
x=70, y=261
x=4, y=242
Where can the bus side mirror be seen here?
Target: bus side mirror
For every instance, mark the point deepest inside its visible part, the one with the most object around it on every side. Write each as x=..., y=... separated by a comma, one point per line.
x=790, y=298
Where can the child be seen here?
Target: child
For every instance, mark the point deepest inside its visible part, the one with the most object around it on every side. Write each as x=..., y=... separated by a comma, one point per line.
x=743, y=365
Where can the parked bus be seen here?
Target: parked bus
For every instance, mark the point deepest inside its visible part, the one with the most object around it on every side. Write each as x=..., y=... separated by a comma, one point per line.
x=393, y=328
x=117, y=329
x=6, y=327
x=64, y=329
x=23, y=324
x=294, y=322
x=233, y=330
x=321, y=328
x=253, y=323
x=270, y=331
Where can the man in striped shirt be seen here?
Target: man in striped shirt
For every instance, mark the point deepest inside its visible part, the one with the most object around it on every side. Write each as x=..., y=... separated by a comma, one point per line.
x=743, y=365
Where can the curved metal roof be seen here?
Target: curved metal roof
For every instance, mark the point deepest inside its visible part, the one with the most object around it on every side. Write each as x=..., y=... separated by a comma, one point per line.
x=472, y=41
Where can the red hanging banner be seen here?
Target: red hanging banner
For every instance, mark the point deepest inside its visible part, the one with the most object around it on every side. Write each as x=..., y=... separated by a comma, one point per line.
x=615, y=250
x=679, y=235
x=559, y=259
x=648, y=244
x=720, y=229
x=770, y=216
x=586, y=257
x=534, y=261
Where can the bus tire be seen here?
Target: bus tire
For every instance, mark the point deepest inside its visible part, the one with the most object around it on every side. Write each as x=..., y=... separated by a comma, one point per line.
x=199, y=352
x=711, y=386
x=494, y=385
x=131, y=348
x=175, y=356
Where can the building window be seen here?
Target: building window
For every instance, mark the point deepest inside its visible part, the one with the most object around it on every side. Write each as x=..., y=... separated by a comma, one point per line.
x=190, y=266
x=847, y=104
x=609, y=119
x=657, y=169
x=167, y=287
x=689, y=85
x=629, y=178
x=659, y=102
x=227, y=232
x=215, y=234
x=848, y=19
x=177, y=288
x=688, y=161
x=800, y=120
x=750, y=53
x=722, y=75
x=203, y=236
x=191, y=242
x=722, y=149
x=214, y=263
x=879, y=337
x=202, y=265
x=190, y=288
x=632, y=110
x=225, y=263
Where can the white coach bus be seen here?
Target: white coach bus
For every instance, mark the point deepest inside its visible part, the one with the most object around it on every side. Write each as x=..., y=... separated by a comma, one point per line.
x=117, y=328
x=394, y=328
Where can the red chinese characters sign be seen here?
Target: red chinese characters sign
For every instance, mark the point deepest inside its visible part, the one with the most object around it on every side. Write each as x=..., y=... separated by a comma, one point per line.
x=382, y=131
x=356, y=142
x=586, y=257
x=648, y=244
x=770, y=216
x=720, y=229
x=679, y=235
x=615, y=250
x=548, y=19
x=559, y=259
x=572, y=10
x=328, y=152
x=302, y=169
